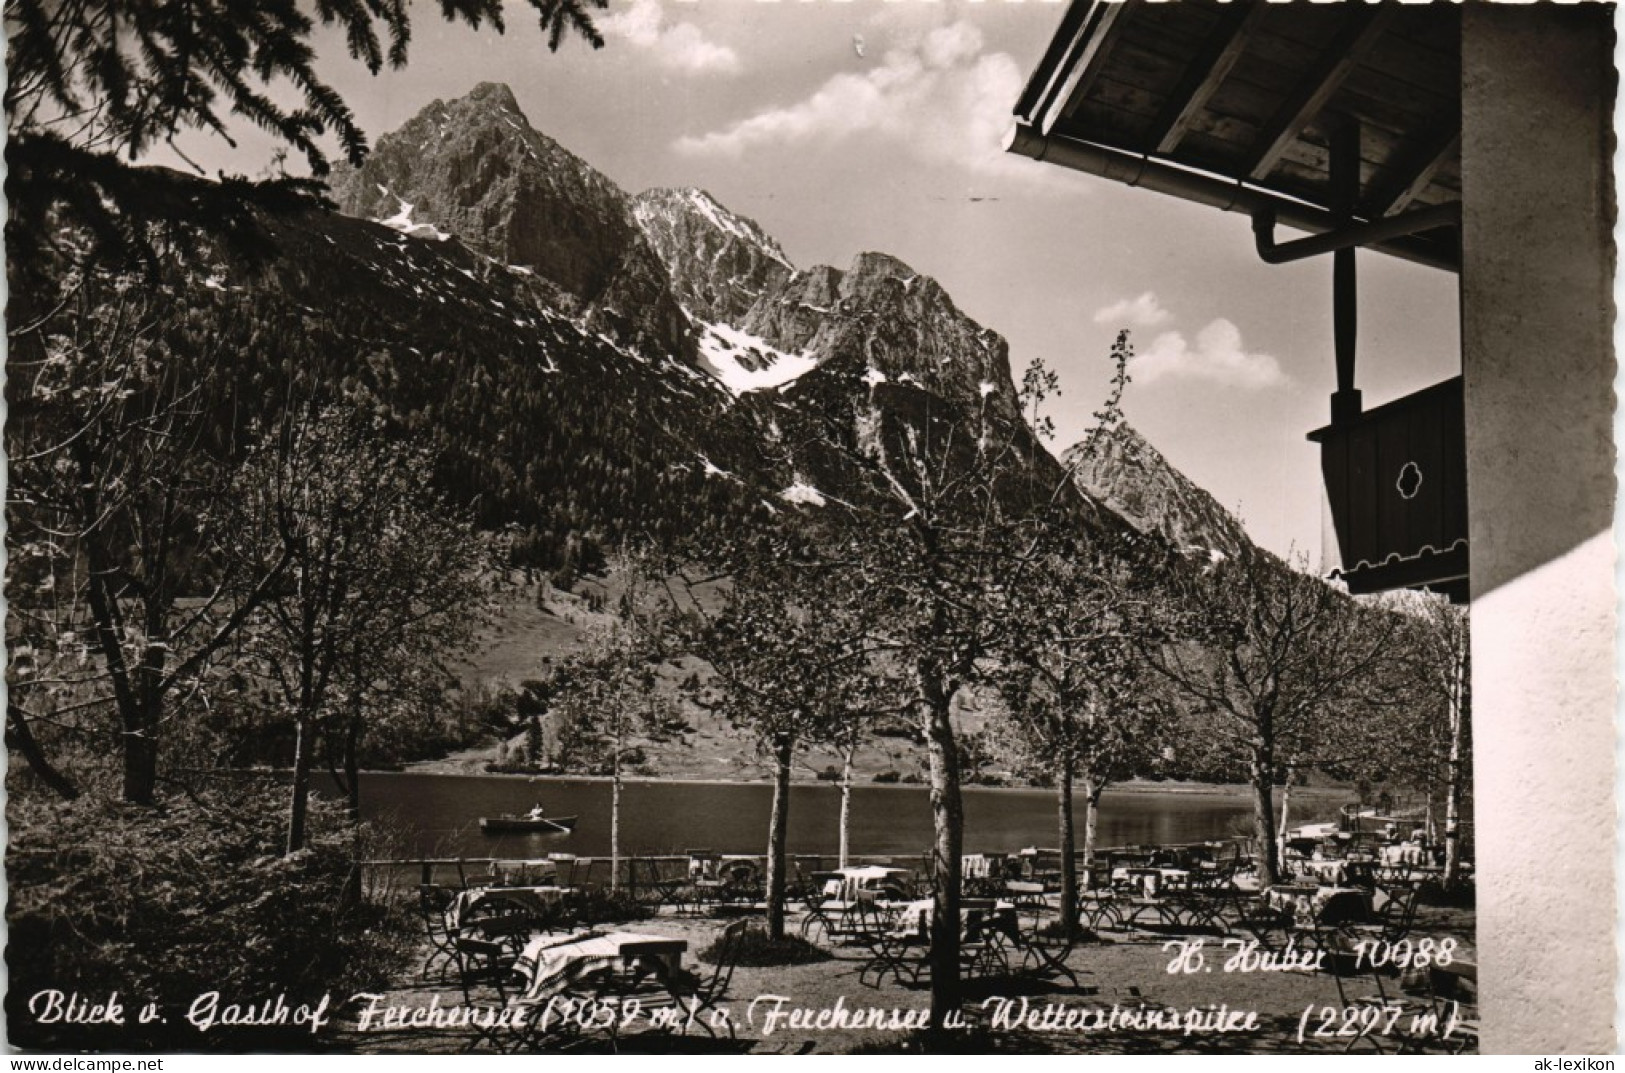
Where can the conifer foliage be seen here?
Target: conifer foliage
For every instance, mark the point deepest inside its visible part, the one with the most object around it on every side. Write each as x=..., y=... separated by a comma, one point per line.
x=127, y=75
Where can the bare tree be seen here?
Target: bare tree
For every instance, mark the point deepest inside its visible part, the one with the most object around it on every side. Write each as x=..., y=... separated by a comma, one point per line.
x=610, y=702
x=1074, y=678
x=119, y=540
x=1447, y=649
x=792, y=661
x=381, y=580
x=1071, y=668
x=1281, y=669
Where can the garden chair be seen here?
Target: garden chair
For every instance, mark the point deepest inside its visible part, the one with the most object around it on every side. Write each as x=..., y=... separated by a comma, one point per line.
x=1271, y=925
x=1045, y=944
x=896, y=949
x=741, y=881
x=1389, y=922
x=985, y=940
x=564, y=868
x=823, y=909
x=1420, y=1010
x=433, y=903
x=687, y=994
x=701, y=992
x=489, y=976
x=505, y=921
x=1100, y=908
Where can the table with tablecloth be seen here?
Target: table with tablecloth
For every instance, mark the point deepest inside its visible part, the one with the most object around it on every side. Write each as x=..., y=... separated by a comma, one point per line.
x=1404, y=853
x=1337, y=871
x=553, y=963
x=846, y=882
x=1150, y=880
x=915, y=916
x=1326, y=904
x=538, y=900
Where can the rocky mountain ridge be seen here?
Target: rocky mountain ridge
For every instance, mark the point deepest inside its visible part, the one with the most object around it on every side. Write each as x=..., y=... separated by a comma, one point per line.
x=1123, y=470
x=668, y=271
x=675, y=276
x=475, y=168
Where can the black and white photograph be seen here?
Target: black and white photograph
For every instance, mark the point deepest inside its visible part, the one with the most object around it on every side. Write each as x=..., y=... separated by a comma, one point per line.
x=778, y=527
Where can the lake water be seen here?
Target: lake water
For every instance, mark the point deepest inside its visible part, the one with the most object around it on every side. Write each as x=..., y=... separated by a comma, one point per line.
x=438, y=816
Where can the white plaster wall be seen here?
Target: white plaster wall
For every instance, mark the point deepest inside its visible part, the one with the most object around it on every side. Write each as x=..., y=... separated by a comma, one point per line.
x=1537, y=330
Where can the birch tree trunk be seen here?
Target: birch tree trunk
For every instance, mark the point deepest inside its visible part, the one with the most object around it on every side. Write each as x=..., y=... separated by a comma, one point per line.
x=1091, y=821
x=948, y=822
x=1269, y=860
x=846, y=805
x=1286, y=806
x=1454, y=787
x=352, y=767
x=615, y=810
x=298, y=807
x=1069, y=853
x=778, y=828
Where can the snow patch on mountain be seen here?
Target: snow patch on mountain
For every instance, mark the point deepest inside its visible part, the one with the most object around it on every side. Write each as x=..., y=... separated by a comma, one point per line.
x=725, y=221
x=802, y=492
x=402, y=222
x=745, y=362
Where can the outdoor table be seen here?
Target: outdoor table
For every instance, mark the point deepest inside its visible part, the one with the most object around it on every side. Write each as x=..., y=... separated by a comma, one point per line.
x=1404, y=853
x=1332, y=870
x=854, y=878
x=1025, y=893
x=997, y=928
x=1325, y=905
x=1149, y=879
x=916, y=915
x=537, y=899
x=554, y=964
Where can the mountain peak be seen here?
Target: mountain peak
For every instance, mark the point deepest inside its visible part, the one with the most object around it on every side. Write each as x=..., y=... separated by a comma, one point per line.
x=872, y=265
x=474, y=168
x=1122, y=469
x=720, y=263
x=496, y=94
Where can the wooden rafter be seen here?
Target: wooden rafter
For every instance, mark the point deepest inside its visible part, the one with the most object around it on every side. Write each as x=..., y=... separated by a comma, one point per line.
x=1203, y=76
x=1415, y=169
x=1364, y=27
x=1097, y=38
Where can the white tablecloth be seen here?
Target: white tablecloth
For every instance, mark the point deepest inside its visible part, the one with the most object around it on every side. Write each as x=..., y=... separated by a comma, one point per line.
x=1151, y=880
x=860, y=877
x=555, y=962
x=534, y=898
x=1404, y=853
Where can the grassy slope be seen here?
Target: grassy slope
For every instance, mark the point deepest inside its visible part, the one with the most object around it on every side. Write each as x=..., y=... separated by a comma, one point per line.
x=523, y=636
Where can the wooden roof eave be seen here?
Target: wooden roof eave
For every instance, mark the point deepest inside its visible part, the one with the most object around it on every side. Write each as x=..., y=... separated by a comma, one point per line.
x=1061, y=109
x=1205, y=188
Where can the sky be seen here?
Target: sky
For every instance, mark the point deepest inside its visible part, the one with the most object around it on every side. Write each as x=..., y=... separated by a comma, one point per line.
x=843, y=126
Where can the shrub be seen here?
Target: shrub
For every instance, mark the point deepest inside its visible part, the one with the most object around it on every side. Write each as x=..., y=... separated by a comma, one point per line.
x=596, y=905
x=165, y=904
x=756, y=949
x=888, y=776
x=830, y=774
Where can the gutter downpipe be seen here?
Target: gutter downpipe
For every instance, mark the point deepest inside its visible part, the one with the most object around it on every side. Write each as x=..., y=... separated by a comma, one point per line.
x=1232, y=196
x=1367, y=234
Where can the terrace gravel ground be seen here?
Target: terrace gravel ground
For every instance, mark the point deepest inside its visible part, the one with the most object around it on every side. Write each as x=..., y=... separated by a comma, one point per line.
x=1130, y=969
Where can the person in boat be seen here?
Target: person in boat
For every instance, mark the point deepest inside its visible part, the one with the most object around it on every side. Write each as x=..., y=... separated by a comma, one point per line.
x=537, y=812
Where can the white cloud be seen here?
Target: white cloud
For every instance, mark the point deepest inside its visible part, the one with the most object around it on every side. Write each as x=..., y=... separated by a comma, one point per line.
x=939, y=95
x=1142, y=312
x=1218, y=357
x=680, y=46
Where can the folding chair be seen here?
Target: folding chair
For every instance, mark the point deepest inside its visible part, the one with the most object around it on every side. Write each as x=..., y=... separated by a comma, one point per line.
x=433, y=904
